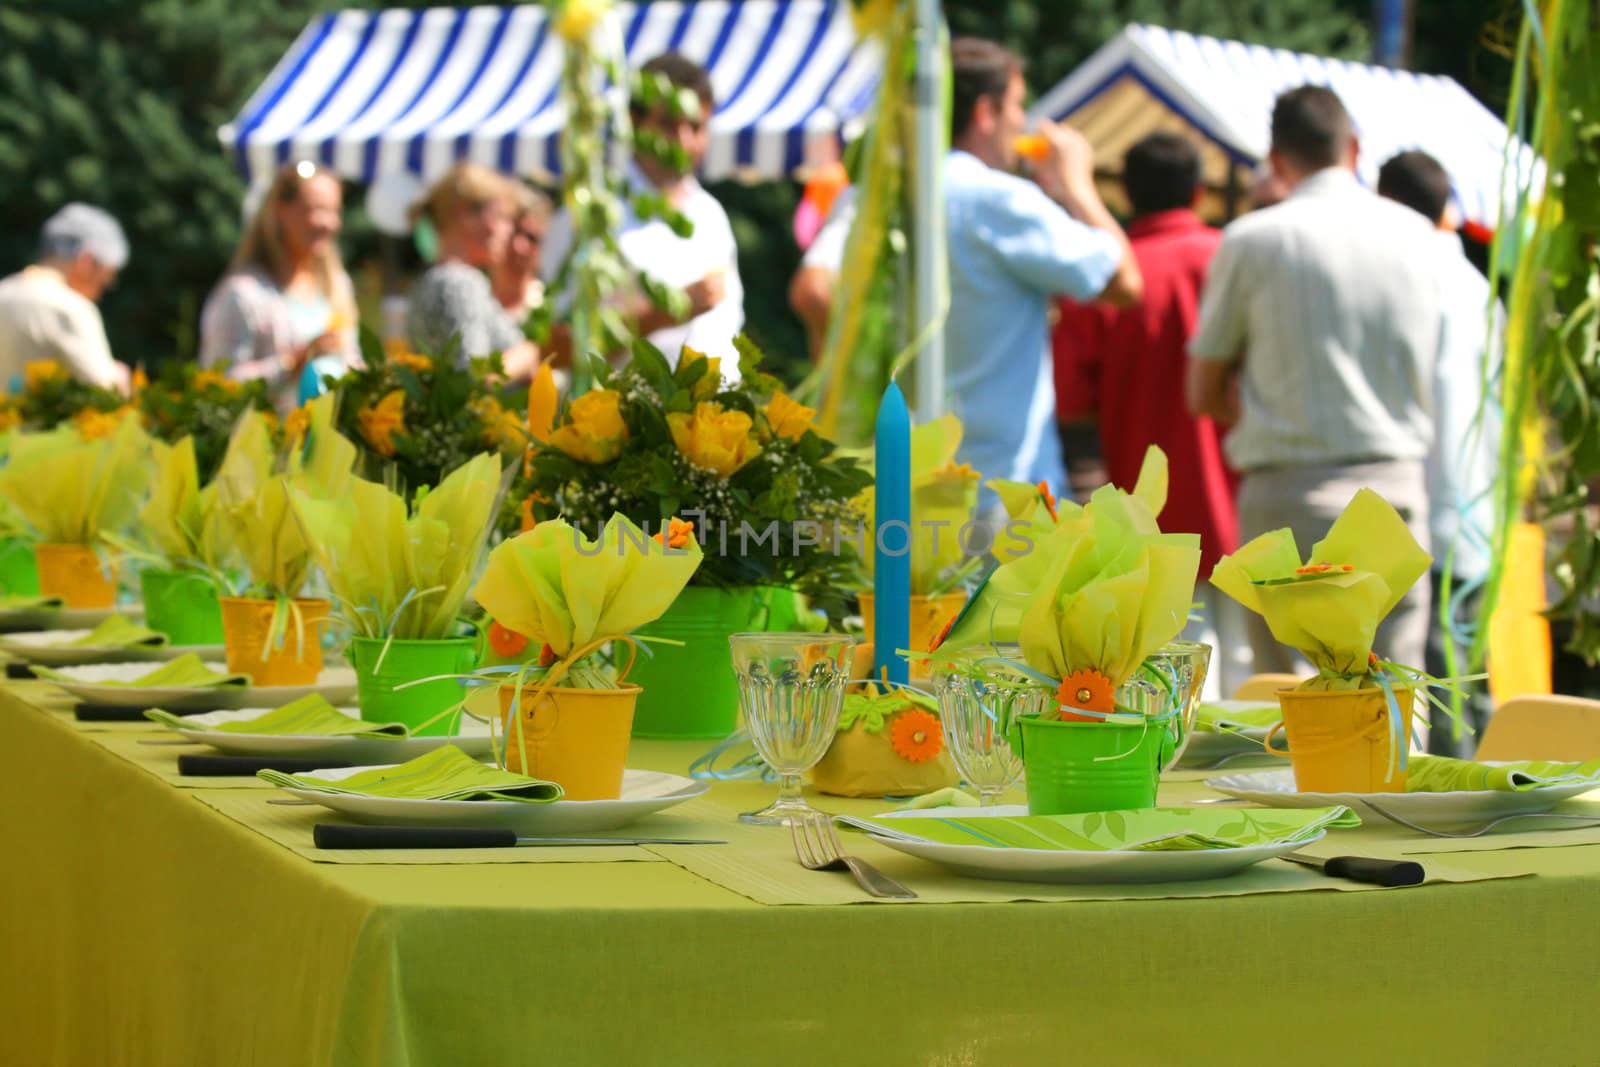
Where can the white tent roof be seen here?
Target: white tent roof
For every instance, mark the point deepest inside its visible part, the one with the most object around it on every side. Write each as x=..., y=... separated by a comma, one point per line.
x=1148, y=78
x=376, y=93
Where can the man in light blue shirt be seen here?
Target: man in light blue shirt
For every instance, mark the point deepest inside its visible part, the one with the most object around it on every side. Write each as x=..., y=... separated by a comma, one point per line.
x=1014, y=244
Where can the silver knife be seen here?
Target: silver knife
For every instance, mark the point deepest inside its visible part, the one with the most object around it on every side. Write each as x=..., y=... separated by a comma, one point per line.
x=1373, y=871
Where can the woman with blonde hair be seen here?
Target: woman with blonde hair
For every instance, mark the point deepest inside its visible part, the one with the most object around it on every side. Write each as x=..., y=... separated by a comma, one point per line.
x=471, y=210
x=286, y=299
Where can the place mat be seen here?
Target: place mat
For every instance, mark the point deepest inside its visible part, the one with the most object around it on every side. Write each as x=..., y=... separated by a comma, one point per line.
x=290, y=826
x=49, y=699
x=759, y=863
x=162, y=760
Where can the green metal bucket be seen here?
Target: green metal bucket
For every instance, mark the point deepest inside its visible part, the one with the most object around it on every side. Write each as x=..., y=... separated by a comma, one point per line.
x=689, y=691
x=408, y=661
x=183, y=605
x=19, y=573
x=1065, y=773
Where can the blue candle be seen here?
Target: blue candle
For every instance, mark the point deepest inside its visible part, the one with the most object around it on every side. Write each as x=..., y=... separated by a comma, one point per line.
x=891, y=576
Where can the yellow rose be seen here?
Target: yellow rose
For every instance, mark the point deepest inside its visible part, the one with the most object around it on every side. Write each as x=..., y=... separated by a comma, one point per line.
x=296, y=423
x=139, y=380
x=501, y=428
x=788, y=417
x=707, y=385
x=594, y=431
x=93, y=424
x=714, y=439
x=578, y=18
x=406, y=358
x=38, y=371
x=210, y=379
x=381, y=421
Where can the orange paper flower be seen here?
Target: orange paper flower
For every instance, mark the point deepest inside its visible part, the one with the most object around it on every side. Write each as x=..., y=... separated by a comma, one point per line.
x=1089, y=690
x=1049, y=501
x=916, y=736
x=504, y=642
x=679, y=533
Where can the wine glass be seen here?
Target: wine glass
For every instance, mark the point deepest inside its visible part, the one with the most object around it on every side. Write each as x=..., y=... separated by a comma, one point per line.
x=791, y=688
x=978, y=704
x=1178, y=669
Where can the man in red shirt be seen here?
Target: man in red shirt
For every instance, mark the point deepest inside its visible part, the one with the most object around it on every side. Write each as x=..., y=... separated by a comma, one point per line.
x=1126, y=367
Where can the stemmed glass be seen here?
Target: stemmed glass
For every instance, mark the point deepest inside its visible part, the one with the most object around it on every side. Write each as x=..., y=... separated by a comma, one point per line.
x=1179, y=669
x=791, y=688
x=978, y=708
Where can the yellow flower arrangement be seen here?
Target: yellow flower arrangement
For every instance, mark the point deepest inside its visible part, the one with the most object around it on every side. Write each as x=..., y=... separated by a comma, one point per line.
x=788, y=417
x=706, y=386
x=38, y=371
x=578, y=18
x=210, y=379
x=501, y=428
x=381, y=421
x=713, y=438
x=595, y=432
x=93, y=425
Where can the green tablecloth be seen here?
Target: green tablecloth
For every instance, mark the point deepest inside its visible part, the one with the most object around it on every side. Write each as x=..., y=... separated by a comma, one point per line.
x=143, y=926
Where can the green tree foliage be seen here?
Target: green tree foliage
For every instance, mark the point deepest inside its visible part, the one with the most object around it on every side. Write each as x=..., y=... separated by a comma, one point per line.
x=117, y=103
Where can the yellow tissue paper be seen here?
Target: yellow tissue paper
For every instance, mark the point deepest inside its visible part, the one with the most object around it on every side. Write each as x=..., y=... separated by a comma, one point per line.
x=559, y=588
x=944, y=495
x=379, y=555
x=180, y=521
x=74, y=491
x=1100, y=592
x=254, y=495
x=1330, y=606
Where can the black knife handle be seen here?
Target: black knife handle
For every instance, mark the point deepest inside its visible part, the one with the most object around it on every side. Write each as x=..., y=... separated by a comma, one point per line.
x=333, y=835
x=201, y=764
x=108, y=713
x=1391, y=873
x=19, y=672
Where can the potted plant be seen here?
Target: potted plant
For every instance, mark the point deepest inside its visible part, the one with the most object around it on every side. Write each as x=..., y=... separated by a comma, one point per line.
x=270, y=631
x=182, y=541
x=1349, y=726
x=74, y=491
x=568, y=716
x=400, y=575
x=1089, y=606
x=203, y=405
x=767, y=496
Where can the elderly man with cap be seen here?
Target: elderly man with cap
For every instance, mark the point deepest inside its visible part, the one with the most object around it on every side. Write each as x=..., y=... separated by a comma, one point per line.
x=47, y=310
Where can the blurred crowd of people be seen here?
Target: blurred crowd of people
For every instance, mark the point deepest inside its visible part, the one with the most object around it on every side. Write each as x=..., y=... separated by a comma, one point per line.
x=1334, y=338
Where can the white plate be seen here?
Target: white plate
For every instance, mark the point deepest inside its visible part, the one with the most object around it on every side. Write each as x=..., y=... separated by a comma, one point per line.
x=1051, y=865
x=1433, y=810
x=337, y=684
x=15, y=619
x=46, y=648
x=643, y=792
x=473, y=740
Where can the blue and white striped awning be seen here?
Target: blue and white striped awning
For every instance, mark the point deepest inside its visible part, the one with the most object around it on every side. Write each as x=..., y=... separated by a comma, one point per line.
x=1224, y=90
x=373, y=93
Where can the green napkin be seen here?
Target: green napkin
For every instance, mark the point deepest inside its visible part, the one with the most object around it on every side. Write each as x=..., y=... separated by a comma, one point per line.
x=446, y=773
x=948, y=797
x=311, y=715
x=185, y=672
x=1228, y=716
x=1145, y=830
x=1440, y=774
x=118, y=631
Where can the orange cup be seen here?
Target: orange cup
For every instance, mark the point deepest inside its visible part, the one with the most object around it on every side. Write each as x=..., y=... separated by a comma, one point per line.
x=76, y=575
x=296, y=657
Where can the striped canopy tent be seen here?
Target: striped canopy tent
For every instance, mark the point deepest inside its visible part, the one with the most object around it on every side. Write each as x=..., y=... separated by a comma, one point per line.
x=1148, y=78
x=379, y=93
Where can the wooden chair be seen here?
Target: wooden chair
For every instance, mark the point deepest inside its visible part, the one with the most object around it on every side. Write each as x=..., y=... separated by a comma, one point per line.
x=1265, y=686
x=1543, y=727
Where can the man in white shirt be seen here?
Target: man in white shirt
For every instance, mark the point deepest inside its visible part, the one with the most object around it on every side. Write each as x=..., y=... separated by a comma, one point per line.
x=704, y=264
x=48, y=312
x=1318, y=334
x=1461, y=465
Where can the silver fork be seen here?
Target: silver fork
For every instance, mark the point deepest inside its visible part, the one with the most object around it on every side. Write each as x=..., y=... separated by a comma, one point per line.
x=1593, y=820
x=816, y=845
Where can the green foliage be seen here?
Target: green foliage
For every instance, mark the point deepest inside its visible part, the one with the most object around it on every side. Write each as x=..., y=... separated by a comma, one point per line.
x=184, y=401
